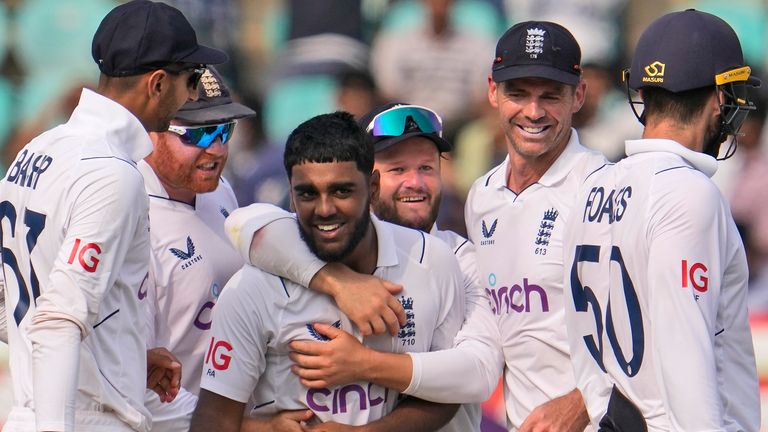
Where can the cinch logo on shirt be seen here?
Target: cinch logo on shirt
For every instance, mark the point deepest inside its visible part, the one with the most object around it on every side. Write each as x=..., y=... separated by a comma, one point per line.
x=188, y=255
x=339, y=400
x=317, y=335
x=488, y=232
x=697, y=275
x=504, y=300
x=218, y=356
x=407, y=333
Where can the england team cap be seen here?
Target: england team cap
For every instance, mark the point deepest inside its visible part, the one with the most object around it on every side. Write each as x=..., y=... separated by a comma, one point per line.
x=537, y=49
x=214, y=104
x=688, y=50
x=140, y=36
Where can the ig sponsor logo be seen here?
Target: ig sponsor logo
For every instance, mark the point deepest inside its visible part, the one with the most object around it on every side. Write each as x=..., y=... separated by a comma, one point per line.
x=218, y=356
x=87, y=257
x=695, y=274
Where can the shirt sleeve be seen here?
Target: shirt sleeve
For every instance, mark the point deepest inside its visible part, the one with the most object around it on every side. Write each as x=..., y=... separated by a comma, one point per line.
x=3, y=323
x=236, y=355
x=469, y=372
x=260, y=232
x=148, y=297
x=109, y=207
x=685, y=268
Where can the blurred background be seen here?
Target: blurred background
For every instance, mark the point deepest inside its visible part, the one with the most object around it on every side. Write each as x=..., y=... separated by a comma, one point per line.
x=293, y=59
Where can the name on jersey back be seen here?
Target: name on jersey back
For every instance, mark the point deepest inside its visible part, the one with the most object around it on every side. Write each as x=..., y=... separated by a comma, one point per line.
x=606, y=206
x=27, y=169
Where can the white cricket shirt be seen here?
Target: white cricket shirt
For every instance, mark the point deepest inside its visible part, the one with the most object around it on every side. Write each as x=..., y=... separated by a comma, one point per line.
x=655, y=236
x=258, y=314
x=75, y=238
x=191, y=261
x=518, y=242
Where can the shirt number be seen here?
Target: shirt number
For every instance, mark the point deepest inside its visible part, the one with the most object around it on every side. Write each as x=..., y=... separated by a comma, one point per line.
x=35, y=222
x=584, y=297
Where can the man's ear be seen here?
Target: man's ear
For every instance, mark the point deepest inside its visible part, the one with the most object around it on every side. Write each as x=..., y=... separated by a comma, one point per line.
x=157, y=82
x=493, y=88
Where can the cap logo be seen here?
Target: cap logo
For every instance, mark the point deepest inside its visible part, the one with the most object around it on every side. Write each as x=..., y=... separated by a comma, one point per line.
x=210, y=84
x=534, y=42
x=654, y=72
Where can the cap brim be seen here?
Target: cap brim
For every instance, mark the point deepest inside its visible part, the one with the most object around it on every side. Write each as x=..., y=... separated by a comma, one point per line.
x=215, y=114
x=441, y=144
x=535, y=71
x=205, y=55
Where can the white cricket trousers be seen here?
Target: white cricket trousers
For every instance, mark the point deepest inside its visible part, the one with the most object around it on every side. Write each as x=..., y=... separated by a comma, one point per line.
x=23, y=420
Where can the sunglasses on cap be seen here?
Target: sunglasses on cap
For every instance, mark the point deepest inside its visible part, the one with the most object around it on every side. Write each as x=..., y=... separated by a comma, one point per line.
x=400, y=119
x=194, y=78
x=203, y=136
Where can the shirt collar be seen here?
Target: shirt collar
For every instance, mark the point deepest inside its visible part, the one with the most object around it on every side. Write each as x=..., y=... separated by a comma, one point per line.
x=556, y=172
x=123, y=132
x=151, y=181
x=387, y=250
x=702, y=162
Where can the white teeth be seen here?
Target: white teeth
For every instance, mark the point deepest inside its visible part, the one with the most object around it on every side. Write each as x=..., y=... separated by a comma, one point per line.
x=411, y=199
x=327, y=227
x=533, y=129
x=208, y=165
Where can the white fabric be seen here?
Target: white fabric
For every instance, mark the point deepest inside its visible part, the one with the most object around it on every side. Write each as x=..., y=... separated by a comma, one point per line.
x=673, y=262
x=296, y=263
x=23, y=420
x=174, y=416
x=76, y=188
x=3, y=324
x=191, y=261
x=258, y=314
x=518, y=241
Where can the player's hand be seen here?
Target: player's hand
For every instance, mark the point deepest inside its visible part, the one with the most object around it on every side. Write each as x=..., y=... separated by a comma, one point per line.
x=163, y=373
x=333, y=427
x=367, y=300
x=566, y=413
x=340, y=361
x=284, y=421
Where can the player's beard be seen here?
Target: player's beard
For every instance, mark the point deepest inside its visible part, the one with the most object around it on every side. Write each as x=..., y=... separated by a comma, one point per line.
x=713, y=139
x=358, y=232
x=184, y=174
x=386, y=209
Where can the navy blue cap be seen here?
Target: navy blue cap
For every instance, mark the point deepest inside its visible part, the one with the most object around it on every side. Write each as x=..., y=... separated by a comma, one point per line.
x=214, y=103
x=141, y=35
x=537, y=49
x=687, y=50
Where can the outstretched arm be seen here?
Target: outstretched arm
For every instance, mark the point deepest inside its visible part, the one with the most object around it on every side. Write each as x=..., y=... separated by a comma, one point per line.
x=260, y=232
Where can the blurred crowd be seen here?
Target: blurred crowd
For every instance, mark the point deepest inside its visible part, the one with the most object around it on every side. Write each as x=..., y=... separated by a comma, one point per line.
x=293, y=59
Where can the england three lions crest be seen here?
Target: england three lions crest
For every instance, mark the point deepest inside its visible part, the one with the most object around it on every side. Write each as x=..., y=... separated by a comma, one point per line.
x=407, y=333
x=544, y=231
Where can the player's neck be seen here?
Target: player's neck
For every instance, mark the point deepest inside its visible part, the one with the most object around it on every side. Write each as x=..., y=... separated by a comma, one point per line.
x=524, y=171
x=690, y=136
x=364, y=257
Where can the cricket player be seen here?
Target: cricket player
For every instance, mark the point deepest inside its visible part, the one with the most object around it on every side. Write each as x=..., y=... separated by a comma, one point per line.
x=74, y=231
x=329, y=161
x=515, y=217
x=191, y=258
x=656, y=275
x=408, y=145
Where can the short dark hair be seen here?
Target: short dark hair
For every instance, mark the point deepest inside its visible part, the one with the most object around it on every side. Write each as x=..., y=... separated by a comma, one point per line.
x=681, y=107
x=326, y=138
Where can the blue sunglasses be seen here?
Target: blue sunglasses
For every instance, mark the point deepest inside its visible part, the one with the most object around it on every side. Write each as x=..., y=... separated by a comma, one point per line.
x=203, y=136
x=401, y=119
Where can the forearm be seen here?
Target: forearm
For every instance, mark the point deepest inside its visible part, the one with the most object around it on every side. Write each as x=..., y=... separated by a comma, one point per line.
x=216, y=413
x=414, y=415
x=55, y=365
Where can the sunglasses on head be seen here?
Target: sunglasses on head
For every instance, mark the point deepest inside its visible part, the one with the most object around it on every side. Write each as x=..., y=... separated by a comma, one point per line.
x=203, y=136
x=404, y=118
x=194, y=78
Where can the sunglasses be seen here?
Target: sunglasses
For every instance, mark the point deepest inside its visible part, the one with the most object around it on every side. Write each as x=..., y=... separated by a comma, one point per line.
x=203, y=136
x=403, y=118
x=194, y=78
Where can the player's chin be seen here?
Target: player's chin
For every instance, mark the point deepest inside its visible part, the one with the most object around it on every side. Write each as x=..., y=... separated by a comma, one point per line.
x=206, y=184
